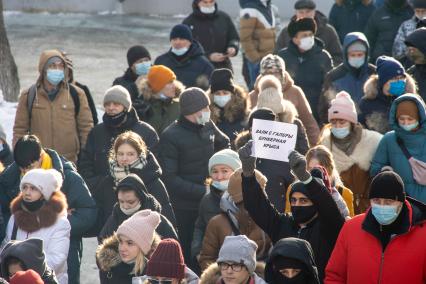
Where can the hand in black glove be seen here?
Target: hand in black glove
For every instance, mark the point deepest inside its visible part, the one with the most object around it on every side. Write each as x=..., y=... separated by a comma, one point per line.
x=298, y=166
x=248, y=162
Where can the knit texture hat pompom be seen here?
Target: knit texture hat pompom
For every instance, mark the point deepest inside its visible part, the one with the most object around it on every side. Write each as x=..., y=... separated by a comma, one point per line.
x=118, y=94
x=387, y=184
x=272, y=62
x=135, y=53
x=343, y=107
x=239, y=249
x=388, y=68
x=46, y=181
x=270, y=95
x=225, y=157
x=181, y=31
x=159, y=76
x=193, y=100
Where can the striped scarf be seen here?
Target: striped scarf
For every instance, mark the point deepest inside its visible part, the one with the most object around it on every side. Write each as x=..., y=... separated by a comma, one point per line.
x=118, y=173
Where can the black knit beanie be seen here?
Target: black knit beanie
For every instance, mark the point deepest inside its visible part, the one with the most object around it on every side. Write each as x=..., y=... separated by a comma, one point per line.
x=135, y=53
x=261, y=113
x=389, y=185
x=222, y=79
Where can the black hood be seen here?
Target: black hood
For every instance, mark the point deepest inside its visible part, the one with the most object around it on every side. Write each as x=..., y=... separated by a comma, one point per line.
x=417, y=39
x=29, y=251
x=292, y=248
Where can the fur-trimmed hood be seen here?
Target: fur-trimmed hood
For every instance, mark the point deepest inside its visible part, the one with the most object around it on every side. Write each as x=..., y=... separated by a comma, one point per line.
x=212, y=274
x=147, y=93
x=236, y=109
x=45, y=217
x=371, y=90
x=107, y=255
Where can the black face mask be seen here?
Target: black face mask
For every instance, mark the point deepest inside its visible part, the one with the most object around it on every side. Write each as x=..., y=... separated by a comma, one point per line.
x=301, y=278
x=114, y=120
x=33, y=206
x=302, y=214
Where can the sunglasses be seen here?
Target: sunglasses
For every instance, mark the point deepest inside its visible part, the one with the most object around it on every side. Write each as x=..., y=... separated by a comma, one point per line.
x=157, y=281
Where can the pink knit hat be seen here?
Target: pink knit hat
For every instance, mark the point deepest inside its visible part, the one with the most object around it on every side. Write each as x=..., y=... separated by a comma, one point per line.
x=343, y=107
x=140, y=228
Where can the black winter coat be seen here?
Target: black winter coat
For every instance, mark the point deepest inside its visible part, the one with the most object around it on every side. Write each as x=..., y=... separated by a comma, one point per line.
x=308, y=69
x=6, y=156
x=93, y=162
x=193, y=69
x=383, y=26
x=419, y=74
x=215, y=32
x=128, y=81
x=184, y=153
x=321, y=233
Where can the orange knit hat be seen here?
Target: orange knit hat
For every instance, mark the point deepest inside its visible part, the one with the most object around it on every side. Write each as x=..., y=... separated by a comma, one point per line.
x=159, y=76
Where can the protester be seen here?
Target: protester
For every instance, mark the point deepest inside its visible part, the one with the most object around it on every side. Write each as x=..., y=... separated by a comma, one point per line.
x=133, y=197
x=124, y=255
x=353, y=147
x=350, y=76
x=215, y=31
x=158, y=104
x=228, y=103
x=315, y=216
x=25, y=255
x=325, y=31
x=6, y=157
x=40, y=211
x=291, y=261
x=257, y=34
x=382, y=26
x=348, y=16
x=380, y=90
x=416, y=44
x=407, y=119
x=236, y=263
x=233, y=220
x=119, y=117
x=48, y=109
x=29, y=154
x=306, y=60
x=139, y=63
x=186, y=58
x=185, y=149
x=372, y=247
x=221, y=166
x=274, y=65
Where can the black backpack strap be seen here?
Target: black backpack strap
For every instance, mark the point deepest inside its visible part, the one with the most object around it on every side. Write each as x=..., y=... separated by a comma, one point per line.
x=14, y=231
x=234, y=228
x=76, y=100
x=340, y=189
x=403, y=148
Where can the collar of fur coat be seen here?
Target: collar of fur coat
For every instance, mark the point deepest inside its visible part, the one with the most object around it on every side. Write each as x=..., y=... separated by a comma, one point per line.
x=371, y=90
x=147, y=93
x=235, y=109
x=212, y=273
x=45, y=217
x=107, y=254
x=361, y=156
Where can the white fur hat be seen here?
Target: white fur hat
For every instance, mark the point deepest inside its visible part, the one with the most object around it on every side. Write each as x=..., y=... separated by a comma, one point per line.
x=47, y=181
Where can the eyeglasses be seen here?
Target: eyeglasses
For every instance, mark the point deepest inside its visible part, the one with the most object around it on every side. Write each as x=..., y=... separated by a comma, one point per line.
x=237, y=267
x=162, y=281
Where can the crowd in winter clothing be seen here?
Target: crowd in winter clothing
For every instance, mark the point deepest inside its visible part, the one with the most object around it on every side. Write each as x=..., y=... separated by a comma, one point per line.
x=169, y=183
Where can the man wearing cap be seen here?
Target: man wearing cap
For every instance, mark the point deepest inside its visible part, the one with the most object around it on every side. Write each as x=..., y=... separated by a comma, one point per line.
x=139, y=62
x=350, y=76
x=184, y=152
x=186, y=58
x=385, y=244
x=119, y=117
x=47, y=110
x=416, y=44
x=306, y=60
x=325, y=32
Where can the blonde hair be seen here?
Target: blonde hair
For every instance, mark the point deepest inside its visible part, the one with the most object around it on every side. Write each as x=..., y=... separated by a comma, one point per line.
x=131, y=138
x=325, y=158
x=140, y=258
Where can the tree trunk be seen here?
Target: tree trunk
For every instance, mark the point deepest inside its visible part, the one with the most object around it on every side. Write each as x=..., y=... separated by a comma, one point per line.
x=9, y=80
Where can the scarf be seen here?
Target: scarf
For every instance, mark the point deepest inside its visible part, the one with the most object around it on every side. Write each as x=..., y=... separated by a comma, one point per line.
x=114, y=121
x=348, y=144
x=118, y=173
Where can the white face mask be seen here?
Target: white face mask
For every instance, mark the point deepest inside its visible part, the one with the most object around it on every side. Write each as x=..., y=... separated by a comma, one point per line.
x=307, y=43
x=204, y=118
x=179, y=51
x=131, y=211
x=221, y=185
x=221, y=101
x=208, y=9
x=356, y=62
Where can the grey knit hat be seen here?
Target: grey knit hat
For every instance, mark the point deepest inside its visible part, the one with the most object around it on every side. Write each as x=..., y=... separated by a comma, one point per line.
x=193, y=100
x=239, y=249
x=226, y=157
x=118, y=94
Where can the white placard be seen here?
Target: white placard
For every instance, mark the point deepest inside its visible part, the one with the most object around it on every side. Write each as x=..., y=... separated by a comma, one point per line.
x=273, y=140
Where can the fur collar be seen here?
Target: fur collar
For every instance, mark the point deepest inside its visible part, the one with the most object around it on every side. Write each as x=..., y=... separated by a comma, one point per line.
x=147, y=93
x=211, y=274
x=107, y=255
x=371, y=90
x=236, y=109
x=362, y=154
x=45, y=217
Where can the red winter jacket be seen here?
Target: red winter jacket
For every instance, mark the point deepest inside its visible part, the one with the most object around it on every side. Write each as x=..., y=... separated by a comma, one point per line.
x=357, y=257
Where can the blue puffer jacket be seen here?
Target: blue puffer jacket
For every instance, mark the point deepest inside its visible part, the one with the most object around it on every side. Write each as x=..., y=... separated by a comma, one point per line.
x=390, y=154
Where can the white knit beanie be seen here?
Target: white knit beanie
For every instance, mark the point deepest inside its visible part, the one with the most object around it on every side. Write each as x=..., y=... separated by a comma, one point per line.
x=239, y=249
x=140, y=228
x=46, y=181
x=225, y=157
x=343, y=107
x=270, y=94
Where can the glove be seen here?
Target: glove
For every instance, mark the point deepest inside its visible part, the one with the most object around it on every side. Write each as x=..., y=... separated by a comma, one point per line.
x=298, y=166
x=248, y=162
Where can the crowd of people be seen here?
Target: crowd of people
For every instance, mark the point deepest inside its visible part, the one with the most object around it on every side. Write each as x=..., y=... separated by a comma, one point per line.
x=167, y=181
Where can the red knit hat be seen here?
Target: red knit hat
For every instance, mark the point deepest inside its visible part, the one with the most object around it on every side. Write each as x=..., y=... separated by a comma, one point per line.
x=167, y=261
x=26, y=277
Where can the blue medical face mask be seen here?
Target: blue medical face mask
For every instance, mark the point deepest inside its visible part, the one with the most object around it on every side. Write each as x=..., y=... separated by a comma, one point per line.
x=221, y=185
x=385, y=214
x=204, y=118
x=179, y=51
x=397, y=88
x=410, y=127
x=221, y=101
x=55, y=76
x=356, y=62
x=143, y=68
x=340, y=133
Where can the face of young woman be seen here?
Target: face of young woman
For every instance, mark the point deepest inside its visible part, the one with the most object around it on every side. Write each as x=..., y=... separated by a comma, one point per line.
x=127, y=199
x=221, y=172
x=126, y=155
x=30, y=193
x=127, y=249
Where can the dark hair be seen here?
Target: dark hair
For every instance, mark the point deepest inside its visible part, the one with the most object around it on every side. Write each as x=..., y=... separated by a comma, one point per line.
x=27, y=150
x=131, y=138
